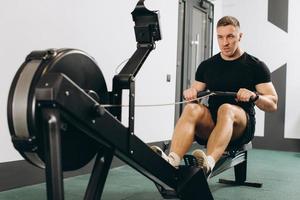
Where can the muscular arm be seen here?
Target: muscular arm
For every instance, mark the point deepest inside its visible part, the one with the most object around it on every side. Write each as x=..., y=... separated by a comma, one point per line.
x=199, y=86
x=191, y=93
x=268, y=98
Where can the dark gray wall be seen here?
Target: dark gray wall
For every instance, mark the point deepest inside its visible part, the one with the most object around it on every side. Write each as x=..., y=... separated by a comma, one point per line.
x=274, y=122
x=278, y=12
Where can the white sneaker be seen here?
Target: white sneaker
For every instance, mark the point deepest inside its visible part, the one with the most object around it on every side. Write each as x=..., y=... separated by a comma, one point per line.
x=160, y=152
x=202, y=161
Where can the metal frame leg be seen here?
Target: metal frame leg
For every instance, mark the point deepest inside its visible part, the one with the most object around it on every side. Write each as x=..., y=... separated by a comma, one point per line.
x=240, y=172
x=52, y=140
x=99, y=175
x=192, y=184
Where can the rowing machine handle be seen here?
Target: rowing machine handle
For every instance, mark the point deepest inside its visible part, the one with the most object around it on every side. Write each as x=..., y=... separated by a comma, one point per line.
x=215, y=93
x=220, y=93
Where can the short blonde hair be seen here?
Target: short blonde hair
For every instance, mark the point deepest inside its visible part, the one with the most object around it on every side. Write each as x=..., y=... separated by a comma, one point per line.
x=228, y=20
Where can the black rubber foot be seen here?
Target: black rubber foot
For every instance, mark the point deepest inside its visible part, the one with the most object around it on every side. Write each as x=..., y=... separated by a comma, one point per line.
x=249, y=184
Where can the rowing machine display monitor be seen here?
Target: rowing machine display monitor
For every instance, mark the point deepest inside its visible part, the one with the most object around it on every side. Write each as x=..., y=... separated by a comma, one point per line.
x=147, y=28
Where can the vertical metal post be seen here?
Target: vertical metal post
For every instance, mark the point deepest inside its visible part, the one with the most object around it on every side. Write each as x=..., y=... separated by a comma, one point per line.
x=52, y=143
x=99, y=175
x=131, y=105
x=240, y=171
x=131, y=113
x=116, y=98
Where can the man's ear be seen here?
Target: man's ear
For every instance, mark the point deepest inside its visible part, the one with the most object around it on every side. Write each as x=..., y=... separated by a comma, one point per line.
x=241, y=35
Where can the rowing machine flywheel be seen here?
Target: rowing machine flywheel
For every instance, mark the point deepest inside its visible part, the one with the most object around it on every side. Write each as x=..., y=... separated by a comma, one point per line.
x=25, y=127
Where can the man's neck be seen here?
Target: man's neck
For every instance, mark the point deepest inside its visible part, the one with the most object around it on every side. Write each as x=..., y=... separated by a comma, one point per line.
x=234, y=56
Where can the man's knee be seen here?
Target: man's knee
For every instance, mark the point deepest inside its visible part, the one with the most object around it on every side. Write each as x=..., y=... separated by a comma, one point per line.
x=232, y=112
x=194, y=111
x=226, y=110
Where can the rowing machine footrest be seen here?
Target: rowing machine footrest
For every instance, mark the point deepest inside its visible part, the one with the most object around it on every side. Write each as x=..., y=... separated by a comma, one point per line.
x=190, y=160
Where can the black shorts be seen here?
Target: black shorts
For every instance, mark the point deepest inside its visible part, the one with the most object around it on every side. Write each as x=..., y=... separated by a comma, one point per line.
x=246, y=137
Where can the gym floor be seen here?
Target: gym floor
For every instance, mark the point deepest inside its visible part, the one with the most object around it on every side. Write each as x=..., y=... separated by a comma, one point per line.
x=278, y=171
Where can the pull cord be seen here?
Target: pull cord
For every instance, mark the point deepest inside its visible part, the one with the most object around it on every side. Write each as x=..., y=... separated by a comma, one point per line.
x=157, y=105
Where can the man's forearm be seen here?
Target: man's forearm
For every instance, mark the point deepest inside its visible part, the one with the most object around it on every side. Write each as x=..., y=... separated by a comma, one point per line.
x=267, y=103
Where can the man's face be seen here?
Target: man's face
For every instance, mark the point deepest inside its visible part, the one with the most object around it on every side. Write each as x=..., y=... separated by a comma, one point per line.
x=228, y=40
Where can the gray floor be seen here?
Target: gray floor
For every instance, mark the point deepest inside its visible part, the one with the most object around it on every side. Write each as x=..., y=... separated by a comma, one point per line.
x=278, y=171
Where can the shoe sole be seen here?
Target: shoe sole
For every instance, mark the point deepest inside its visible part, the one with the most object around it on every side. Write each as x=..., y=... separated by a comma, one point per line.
x=160, y=152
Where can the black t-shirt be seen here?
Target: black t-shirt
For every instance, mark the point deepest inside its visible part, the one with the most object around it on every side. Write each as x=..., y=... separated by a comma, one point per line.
x=223, y=75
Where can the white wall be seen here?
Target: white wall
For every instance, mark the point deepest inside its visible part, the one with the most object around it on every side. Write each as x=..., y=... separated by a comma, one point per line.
x=275, y=47
x=105, y=31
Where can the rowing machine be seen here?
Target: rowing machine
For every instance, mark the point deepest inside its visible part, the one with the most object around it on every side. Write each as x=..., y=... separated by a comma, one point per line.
x=232, y=157
x=57, y=121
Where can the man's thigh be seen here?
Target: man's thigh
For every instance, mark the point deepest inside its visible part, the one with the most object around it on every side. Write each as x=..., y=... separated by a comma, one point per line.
x=243, y=126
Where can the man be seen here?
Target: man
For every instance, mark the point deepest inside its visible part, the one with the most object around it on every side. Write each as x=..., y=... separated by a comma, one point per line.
x=226, y=120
